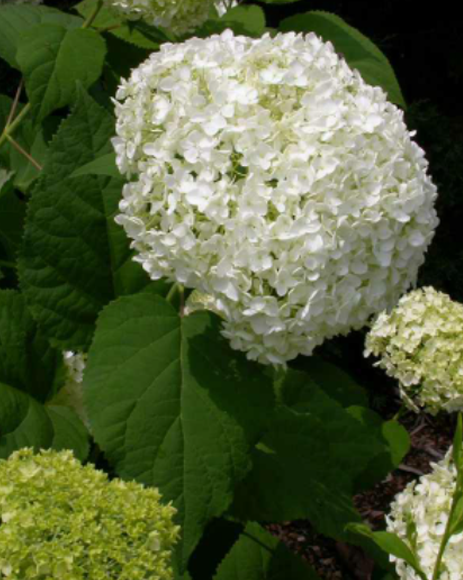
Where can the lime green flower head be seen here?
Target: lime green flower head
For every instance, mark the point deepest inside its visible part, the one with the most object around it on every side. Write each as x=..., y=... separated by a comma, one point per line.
x=62, y=520
x=420, y=343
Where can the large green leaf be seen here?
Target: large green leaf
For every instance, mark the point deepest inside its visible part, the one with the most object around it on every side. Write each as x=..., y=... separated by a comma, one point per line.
x=104, y=165
x=74, y=258
x=16, y=20
x=52, y=59
x=24, y=422
x=27, y=362
x=246, y=20
x=257, y=555
x=305, y=464
x=359, y=52
x=12, y=212
x=173, y=406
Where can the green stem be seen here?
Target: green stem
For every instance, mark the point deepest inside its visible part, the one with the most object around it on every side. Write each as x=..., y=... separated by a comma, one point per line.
x=400, y=413
x=7, y=131
x=93, y=15
x=445, y=538
x=29, y=157
x=6, y=264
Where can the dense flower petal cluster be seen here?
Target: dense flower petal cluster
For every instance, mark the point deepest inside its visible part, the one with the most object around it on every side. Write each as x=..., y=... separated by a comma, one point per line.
x=71, y=394
x=62, y=520
x=426, y=504
x=178, y=16
x=267, y=174
x=421, y=344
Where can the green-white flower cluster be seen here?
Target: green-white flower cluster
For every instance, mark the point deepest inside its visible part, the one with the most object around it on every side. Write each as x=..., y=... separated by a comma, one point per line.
x=178, y=16
x=62, y=520
x=424, y=507
x=421, y=345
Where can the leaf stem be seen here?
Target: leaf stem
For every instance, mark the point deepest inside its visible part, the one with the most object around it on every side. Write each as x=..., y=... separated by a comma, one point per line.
x=9, y=129
x=93, y=15
x=6, y=264
x=27, y=155
x=445, y=538
x=172, y=292
x=14, y=106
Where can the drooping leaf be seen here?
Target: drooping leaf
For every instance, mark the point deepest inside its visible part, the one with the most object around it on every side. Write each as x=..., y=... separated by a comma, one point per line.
x=391, y=544
x=173, y=406
x=305, y=464
x=359, y=51
x=16, y=20
x=104, y=165
x=53, y=59
x=24, y=422
x=27, y=362
x=74, y=258
x=258, y=555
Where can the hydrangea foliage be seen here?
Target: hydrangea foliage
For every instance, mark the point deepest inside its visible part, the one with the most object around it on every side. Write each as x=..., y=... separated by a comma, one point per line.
x=268, y=174
x=421, y=344
x=424, y=506
x=71, y=394
x=35, y=2
x=178, y=16
x=62, y=520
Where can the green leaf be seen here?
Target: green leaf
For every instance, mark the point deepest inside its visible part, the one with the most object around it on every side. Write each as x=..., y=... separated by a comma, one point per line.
x=104, y=165
x=305, y=464
x=246, y=20
x=391, y=544
x=333, y=381
x=107, y=18
x=16, y=20
x=258, y=555
x=75, y=258
x=12, y=213
x=53, y=58
x=395, y=444
x=171, y=405
x=359, y=52
x=279, y=1
x=27, y=362
x=24, y=422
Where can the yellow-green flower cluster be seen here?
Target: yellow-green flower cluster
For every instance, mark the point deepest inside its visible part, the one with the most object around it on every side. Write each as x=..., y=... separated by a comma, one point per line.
x=60, y=519
x=421, y=344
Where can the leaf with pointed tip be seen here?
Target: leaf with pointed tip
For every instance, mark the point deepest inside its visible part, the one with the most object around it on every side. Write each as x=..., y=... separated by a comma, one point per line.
x=173, y=406
x=75, y=258
x=24, y=422
x=104, y=165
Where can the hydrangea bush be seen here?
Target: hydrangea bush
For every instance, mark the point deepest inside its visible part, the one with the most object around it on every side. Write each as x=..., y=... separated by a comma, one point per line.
x=269, y=175
x=60, y=519
x=193, y=215
x=420, y=343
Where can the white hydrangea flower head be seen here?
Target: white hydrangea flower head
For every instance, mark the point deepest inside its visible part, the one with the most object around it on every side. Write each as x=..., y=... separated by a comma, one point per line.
x=178, y=16
x=420, y=343
x=71, y=394
x=426, y=503
x=267, y=174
